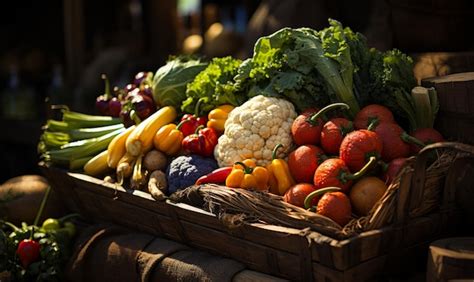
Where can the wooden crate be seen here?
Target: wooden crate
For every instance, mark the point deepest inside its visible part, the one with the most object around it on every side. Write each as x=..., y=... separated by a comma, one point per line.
x=279, y=251
x=455, y=119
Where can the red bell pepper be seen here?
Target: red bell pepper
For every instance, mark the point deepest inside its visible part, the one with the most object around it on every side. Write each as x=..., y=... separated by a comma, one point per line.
x=216, y=176
x=202, y=142
x=193, y=121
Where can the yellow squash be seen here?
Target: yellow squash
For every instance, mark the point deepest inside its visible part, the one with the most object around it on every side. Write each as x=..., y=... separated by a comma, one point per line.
x=97, y=165
x=117, y=148
x=140, y=140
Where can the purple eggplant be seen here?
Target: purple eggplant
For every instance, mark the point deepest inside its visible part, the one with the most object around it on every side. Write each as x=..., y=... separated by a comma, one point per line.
x=147, y=90
x=115, y=107
x=143, y=106
x=102, y=102
x=139, y=77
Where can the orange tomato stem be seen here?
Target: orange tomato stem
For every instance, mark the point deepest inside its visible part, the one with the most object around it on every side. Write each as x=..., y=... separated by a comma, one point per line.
x=321, y=113
x=362, y=171
x=319, y=192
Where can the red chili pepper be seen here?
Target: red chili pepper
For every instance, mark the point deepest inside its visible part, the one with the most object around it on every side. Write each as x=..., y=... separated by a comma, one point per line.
x=193, y=121
x=28, y=251
x=202, y=142
x=216, y=176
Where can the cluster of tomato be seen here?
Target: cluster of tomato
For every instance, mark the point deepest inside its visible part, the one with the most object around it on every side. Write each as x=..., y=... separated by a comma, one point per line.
x=344, y=166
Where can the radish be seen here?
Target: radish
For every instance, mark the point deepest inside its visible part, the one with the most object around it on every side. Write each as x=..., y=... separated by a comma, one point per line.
x=426, y=136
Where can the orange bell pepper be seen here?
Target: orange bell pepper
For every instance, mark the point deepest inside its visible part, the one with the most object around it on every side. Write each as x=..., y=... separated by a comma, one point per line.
x=248, y=175
x=168, y=139
x=280, y=176
x=218, y=116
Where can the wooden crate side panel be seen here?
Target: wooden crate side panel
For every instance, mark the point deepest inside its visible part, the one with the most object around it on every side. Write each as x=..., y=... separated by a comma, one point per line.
x=282, y=238
x=255, y=256
x=129, y=215
x=134, y=197
x=138, y=210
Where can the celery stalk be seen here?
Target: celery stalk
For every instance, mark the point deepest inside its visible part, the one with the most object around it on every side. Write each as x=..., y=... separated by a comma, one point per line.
x=424, y=115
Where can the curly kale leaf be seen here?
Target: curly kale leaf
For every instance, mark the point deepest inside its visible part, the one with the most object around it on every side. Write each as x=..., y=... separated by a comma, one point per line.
x=213, y=87
x=391, y=81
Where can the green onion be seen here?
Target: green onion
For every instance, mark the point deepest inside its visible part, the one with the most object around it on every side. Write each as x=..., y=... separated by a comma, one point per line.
x=89, y=120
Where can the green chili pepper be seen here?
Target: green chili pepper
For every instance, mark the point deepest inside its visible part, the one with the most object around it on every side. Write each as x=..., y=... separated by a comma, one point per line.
x=51, y=224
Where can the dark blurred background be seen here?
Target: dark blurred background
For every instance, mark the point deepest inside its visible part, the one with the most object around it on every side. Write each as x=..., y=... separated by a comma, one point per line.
x=54, y=51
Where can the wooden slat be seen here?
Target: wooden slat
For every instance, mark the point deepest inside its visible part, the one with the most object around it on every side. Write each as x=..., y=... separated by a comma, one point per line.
x=132, y=216
x=403, y=198
x=282, y=238
x=450, y=259
x=255, y=256
x=455, y=119
x=133, y=197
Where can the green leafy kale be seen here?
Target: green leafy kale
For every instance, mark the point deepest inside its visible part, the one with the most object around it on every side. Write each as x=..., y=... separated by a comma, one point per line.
x=280, y=68
x=213, y=86
x=390, y=83
x=307, y=67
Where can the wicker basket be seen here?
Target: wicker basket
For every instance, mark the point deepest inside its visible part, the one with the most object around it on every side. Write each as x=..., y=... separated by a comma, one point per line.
x=273, y=237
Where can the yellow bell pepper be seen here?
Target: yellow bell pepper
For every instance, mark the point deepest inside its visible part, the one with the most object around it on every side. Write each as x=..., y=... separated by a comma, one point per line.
x=280, y=176
x=248, y=175
x=218, y=116
x=168, y=139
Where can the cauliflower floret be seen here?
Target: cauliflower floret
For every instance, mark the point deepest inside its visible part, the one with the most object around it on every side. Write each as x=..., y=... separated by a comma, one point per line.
x=254, y=129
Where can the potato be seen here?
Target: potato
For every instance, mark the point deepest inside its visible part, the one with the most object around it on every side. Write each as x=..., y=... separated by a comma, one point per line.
x=157, y=184
x=155, y=160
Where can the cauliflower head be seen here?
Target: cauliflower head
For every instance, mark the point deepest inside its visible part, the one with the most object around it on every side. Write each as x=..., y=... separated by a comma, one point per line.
x=253, y=129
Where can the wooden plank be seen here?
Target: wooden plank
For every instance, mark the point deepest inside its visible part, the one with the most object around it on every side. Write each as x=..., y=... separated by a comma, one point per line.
x=278, y=237
x=123, y=213
x=254, y=256
x=403, y=197
x=421, y=228
x=323, y=273
x=134, y=197
x=455, y=119
x=451, y=258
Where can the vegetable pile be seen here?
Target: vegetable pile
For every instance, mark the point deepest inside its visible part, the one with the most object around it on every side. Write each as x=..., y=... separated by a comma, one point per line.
x=36, y=252
x=314, y=116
